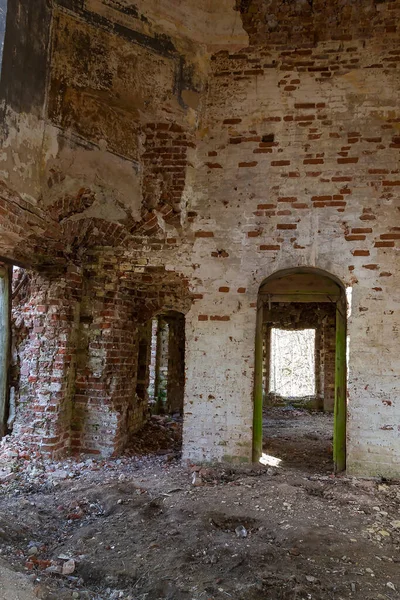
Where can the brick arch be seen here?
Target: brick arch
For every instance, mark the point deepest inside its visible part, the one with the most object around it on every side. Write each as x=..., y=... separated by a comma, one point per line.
x=304, y=270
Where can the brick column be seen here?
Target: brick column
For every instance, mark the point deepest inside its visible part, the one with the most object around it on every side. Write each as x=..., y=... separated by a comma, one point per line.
x=47, y=361
x=106, y=406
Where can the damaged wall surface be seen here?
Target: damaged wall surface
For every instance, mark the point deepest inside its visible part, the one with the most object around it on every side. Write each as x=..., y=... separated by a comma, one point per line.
x=157, y=159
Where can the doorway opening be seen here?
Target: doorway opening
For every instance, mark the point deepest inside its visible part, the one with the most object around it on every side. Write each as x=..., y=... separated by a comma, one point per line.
x=160, y=383
x=167, y=366
x=300, y=375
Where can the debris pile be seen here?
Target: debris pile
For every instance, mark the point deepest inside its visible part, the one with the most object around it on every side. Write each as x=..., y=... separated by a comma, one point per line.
x=162, y=435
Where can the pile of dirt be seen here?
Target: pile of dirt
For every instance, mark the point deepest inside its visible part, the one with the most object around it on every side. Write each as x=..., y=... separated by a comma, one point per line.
x=162, y=435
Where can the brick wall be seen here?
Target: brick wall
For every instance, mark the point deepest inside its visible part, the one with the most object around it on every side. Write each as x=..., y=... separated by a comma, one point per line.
x=76, y=349
x=45, y=325
x=300, y=168
x=296, y=163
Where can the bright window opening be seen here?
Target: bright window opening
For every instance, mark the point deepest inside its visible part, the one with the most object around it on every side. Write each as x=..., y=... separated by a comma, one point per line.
x=292, y=366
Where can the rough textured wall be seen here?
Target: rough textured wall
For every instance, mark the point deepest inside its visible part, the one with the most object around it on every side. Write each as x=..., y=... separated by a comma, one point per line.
x=108, y=102
x=46, y=319
x=300, y=167
x=300, y=22
x=283, y=153
x=75, y=354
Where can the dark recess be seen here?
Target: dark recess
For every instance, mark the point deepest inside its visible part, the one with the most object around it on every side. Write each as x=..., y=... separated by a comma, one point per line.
x=26, y=44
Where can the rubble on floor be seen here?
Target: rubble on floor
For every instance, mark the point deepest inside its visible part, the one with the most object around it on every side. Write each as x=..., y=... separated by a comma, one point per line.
x=152, y=528
x=161, y=435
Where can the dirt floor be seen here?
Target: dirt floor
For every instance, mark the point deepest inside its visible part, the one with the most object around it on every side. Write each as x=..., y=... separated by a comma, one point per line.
x=301, y=439
x=155, y=528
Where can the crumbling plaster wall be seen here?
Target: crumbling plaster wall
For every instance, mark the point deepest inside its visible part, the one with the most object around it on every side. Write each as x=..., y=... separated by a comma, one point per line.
x=322, y=191
x=106, y=85
x=282, y=154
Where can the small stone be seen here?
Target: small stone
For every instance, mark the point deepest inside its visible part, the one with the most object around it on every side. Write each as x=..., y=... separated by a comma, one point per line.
x=241, y=532
x=311, y=579
x=197, y=480
x=53, y=569
x=391, y=586
x=33, y=550
x=75, y=595
x=395, y=524
x=68, y=567
x=384, y=533
x=59, y=474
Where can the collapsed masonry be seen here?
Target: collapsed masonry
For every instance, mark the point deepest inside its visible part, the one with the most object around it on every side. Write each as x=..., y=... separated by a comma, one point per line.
x=166, y=157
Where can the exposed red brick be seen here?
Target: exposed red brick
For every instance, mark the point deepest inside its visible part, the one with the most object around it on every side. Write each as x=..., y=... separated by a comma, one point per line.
x=354, y=238
x=321, y=198
x=280, y=163
x=284, y=226
x=252, y=163
x=305, y=105
x=204, y=234
x=384, y=244
x=361, y=230
x=390, y=236
x=349, y=160
x=270, y=247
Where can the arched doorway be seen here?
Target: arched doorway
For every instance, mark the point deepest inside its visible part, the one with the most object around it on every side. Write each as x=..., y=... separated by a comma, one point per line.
x=303, y=299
